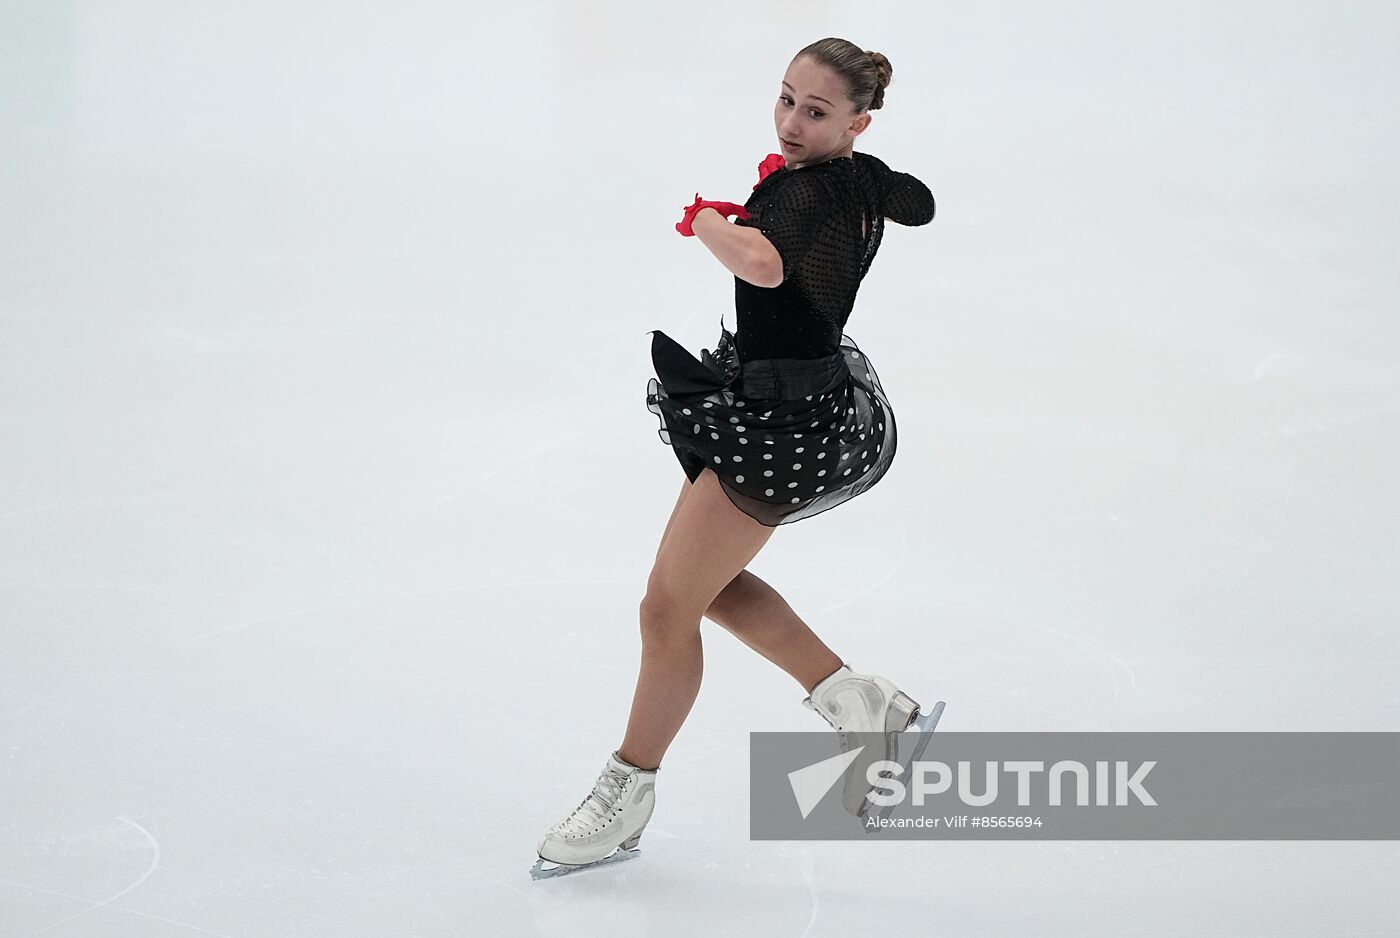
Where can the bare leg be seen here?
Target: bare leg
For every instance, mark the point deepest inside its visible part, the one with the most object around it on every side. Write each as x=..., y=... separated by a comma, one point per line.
x=759, y=617
x=709, y=542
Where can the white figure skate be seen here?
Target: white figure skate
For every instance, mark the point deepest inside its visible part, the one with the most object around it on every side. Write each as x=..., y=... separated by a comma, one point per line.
x=855, y=703
x=605, y=827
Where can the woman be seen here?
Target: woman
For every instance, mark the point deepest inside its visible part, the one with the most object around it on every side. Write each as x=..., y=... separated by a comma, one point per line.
x=784, y=420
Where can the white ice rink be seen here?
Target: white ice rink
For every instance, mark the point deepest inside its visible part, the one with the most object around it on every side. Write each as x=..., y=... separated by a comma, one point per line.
x=328, y=492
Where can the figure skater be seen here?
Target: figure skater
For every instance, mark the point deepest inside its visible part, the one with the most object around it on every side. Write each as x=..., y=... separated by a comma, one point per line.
x=785, y=419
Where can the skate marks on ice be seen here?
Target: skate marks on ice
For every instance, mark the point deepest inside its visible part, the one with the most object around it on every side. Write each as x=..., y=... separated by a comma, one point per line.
x=1121, y=675
x=94, y=904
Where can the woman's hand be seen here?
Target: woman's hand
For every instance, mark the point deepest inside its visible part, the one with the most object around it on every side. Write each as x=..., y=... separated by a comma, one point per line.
x=724, y=208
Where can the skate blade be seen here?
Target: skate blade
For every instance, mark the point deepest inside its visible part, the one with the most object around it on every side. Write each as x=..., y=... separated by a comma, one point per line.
x=548, y=869
x=925, y=724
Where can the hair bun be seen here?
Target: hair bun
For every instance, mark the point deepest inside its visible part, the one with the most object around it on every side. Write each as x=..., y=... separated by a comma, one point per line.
x=883, y=72
x=883, y=69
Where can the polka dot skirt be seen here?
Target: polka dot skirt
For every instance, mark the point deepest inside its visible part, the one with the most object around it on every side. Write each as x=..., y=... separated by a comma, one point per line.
x=780, y=456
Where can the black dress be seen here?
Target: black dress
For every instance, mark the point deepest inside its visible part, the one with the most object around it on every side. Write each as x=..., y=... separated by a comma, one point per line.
x=787, y=410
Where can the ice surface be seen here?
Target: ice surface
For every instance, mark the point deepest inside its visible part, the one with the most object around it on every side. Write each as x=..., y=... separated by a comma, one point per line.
x=328, y=493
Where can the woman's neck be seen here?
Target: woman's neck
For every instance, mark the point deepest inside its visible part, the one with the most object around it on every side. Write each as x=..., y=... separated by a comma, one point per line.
x=826, y=159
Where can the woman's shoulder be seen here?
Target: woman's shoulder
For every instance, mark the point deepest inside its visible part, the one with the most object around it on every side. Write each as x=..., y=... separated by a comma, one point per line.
x=805, y=182
x=870, y=161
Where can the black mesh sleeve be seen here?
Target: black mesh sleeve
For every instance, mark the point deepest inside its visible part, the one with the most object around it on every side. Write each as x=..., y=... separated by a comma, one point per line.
x=907, y=200
x=794, y=216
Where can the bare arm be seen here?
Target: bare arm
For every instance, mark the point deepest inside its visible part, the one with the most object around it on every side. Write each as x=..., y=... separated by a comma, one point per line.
x=744, y=251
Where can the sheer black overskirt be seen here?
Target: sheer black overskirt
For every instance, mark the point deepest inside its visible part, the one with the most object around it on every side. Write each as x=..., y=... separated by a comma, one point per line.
x=788, y=438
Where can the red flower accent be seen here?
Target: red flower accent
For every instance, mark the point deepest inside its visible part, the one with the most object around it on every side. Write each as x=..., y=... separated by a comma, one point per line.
x=770, y=163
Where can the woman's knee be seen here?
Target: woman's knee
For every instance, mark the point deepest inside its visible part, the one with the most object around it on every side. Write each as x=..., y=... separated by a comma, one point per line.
x=665, y=611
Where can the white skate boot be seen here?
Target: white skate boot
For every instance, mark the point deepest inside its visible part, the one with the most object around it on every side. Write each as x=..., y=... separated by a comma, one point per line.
x=855, y=703
x=606, y=825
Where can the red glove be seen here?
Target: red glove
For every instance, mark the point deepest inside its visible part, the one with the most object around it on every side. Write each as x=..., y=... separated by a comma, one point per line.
x=724, y=208
x=770, y=162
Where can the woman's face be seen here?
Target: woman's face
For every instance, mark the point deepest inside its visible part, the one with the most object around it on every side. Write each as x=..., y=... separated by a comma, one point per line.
x=813, y=112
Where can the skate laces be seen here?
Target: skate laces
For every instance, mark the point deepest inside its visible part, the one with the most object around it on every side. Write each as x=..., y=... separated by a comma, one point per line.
x=601, y=800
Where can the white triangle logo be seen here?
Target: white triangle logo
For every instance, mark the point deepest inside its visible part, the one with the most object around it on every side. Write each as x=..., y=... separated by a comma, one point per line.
x=810, y=784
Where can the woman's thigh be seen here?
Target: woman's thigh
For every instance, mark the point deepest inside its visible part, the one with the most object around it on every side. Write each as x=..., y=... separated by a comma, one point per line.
x=708, y=542
x=686, y=486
